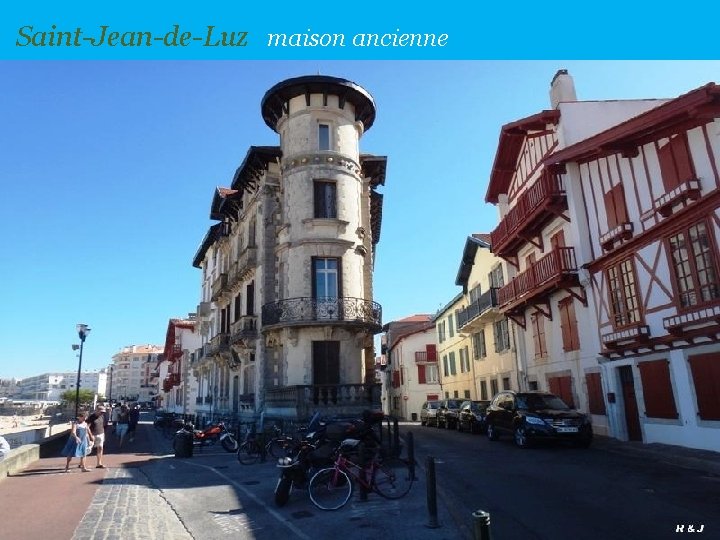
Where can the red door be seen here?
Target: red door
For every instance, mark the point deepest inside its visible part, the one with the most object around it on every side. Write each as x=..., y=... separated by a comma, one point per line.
x=632, y=419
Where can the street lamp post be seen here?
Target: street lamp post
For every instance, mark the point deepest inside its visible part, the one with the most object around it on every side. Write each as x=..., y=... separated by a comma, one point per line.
x=82, y=330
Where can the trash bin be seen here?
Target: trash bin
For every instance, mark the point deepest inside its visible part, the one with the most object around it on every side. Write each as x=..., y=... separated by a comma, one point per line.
x=413, y=416
x=183, y=444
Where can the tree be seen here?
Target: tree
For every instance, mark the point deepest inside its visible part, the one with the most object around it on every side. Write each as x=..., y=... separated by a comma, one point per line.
x=86, y=396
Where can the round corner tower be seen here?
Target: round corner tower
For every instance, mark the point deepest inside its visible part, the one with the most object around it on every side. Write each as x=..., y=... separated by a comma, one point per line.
x=320, y=326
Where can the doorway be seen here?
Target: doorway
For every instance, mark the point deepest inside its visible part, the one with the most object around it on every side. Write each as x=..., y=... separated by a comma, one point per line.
x=632, y=418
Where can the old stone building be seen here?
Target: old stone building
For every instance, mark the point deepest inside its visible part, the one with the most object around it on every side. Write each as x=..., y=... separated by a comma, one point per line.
x=287, y=316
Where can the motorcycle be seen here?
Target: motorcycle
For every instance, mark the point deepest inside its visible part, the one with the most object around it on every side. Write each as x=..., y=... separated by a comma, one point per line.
x=212, y=434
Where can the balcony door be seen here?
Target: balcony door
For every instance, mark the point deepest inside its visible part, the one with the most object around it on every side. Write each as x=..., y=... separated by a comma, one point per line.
x=326, y=288
x=326, y=371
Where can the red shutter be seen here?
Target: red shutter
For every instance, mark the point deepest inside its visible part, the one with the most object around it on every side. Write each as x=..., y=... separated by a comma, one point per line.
x=396, y=379
x=705, y=370
x=683, y=162
x=596, y=402
x=431, y=353
x=421, y=374
x=667, y=167
x=565, y=328
x=562, y=388
x=657, y=389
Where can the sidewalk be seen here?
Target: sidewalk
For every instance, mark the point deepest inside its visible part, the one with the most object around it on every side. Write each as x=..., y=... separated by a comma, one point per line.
x=147, y=493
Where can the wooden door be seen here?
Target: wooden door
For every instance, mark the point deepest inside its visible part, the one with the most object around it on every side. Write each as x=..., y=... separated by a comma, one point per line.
x=632, y=418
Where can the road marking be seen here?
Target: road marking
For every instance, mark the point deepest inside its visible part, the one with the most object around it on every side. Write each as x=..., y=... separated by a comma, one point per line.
x=247, y=492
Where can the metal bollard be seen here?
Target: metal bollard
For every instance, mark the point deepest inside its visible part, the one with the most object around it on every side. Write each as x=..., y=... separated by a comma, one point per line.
x=431, y=493
x=410, y=439
x=481, y=525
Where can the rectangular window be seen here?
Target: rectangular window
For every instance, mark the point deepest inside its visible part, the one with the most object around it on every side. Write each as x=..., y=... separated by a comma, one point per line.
x=467, y=358
x=496, y=277
x=493, y=387
x=446, y=367
x=325, y=278
x=451, y=326
x=421, y=374
x=431, y=374
x=483, y=390
x=568, y=324
x=441, y=331
x=501, y=335
x=238, y=307
x=462, y=361
x=451, y=361
x=506, y=383
x=657, y=389
x=467, y=394
x=431, y=352
x=475, y=294
x=455, y=394
x=615, y=207
x=326, y=362
x=675, y=163
x=325, y=199
x=695, y=266
x=624, y=301
x=595, y=393
x=323, y=137
x=537, y=321
x=705, y=370
x=478, y=342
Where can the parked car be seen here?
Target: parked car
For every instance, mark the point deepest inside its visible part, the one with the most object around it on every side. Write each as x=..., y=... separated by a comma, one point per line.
x=448, y=414
x=534, y=416
x=472, y=416
x=428, y=413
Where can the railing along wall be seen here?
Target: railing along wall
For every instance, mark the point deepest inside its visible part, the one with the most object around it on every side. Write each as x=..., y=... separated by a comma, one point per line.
x=298, y=310
x=559, y=261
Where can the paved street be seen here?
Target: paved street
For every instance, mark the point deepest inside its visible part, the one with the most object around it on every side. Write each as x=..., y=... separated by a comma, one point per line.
x=611, y=491
x=606, y=492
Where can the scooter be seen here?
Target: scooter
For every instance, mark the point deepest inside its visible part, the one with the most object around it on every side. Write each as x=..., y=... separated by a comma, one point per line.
x=212, y=434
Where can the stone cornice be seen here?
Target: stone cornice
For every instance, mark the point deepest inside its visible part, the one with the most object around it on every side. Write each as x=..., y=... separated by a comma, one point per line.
x=325, y=159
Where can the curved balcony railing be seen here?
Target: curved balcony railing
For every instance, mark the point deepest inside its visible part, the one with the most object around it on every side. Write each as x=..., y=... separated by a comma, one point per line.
x=323, y=311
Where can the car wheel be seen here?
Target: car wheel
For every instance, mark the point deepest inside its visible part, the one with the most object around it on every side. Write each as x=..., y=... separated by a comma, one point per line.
x=492, y=433
x=521, y=437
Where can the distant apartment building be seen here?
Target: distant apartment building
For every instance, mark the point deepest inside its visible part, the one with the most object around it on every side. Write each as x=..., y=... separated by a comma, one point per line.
x=409, y=366
x=287, y=316
x=50, y=386
x=491, y=349
x=453, y=352
x=133, y=373
x=8, y=388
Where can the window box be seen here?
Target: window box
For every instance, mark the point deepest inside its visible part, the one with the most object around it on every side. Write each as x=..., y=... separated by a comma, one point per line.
x=619, y=234
x=632, y=334
x=684, y=192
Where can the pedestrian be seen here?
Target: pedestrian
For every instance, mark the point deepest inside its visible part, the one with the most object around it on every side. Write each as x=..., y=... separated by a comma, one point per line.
x=77, y=443
x=115, y=415
x=134, y=418
x=4, y=447
x=123, y=424
x=96, y=421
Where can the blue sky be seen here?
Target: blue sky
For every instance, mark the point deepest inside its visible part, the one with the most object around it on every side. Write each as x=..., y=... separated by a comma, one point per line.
x=108, y=170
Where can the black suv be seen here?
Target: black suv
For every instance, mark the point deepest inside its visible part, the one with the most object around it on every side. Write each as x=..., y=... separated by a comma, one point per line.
x=534, y=416
x=448, y=414
x=472, y=416
x=428, y=413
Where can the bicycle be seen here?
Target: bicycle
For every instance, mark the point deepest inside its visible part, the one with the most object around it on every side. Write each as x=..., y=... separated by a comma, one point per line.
x=250, y=450
x=331, y=488
x=279, y=444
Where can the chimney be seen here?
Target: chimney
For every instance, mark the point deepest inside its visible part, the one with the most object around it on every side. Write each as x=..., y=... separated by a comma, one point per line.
x=562, y=88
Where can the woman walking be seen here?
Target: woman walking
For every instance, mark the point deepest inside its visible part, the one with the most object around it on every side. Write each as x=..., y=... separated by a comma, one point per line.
x=77, y=443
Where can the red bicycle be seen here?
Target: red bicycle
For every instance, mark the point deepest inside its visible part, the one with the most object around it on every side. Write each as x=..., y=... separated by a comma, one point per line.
x=331, y=488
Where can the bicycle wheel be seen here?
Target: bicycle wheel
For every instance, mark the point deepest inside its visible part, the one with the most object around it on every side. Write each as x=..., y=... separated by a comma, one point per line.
x=248, y=453
x=393, y=478
x=330, y=489
x=277, y=448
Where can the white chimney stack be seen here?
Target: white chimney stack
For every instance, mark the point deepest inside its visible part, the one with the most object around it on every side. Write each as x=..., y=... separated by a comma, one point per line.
x=562, y=88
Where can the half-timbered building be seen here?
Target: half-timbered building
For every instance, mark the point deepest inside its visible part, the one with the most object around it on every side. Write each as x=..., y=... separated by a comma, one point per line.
x=546, y=298
x=644, y=197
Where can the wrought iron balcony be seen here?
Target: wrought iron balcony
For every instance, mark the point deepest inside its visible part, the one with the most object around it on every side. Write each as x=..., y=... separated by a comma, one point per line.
x=220, y=343
x=322, y=311
x=555, y=270
x=487, y=300
x=539, y=203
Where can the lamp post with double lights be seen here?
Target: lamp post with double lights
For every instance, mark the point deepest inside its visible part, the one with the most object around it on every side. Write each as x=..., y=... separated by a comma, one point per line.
x=82, y=330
